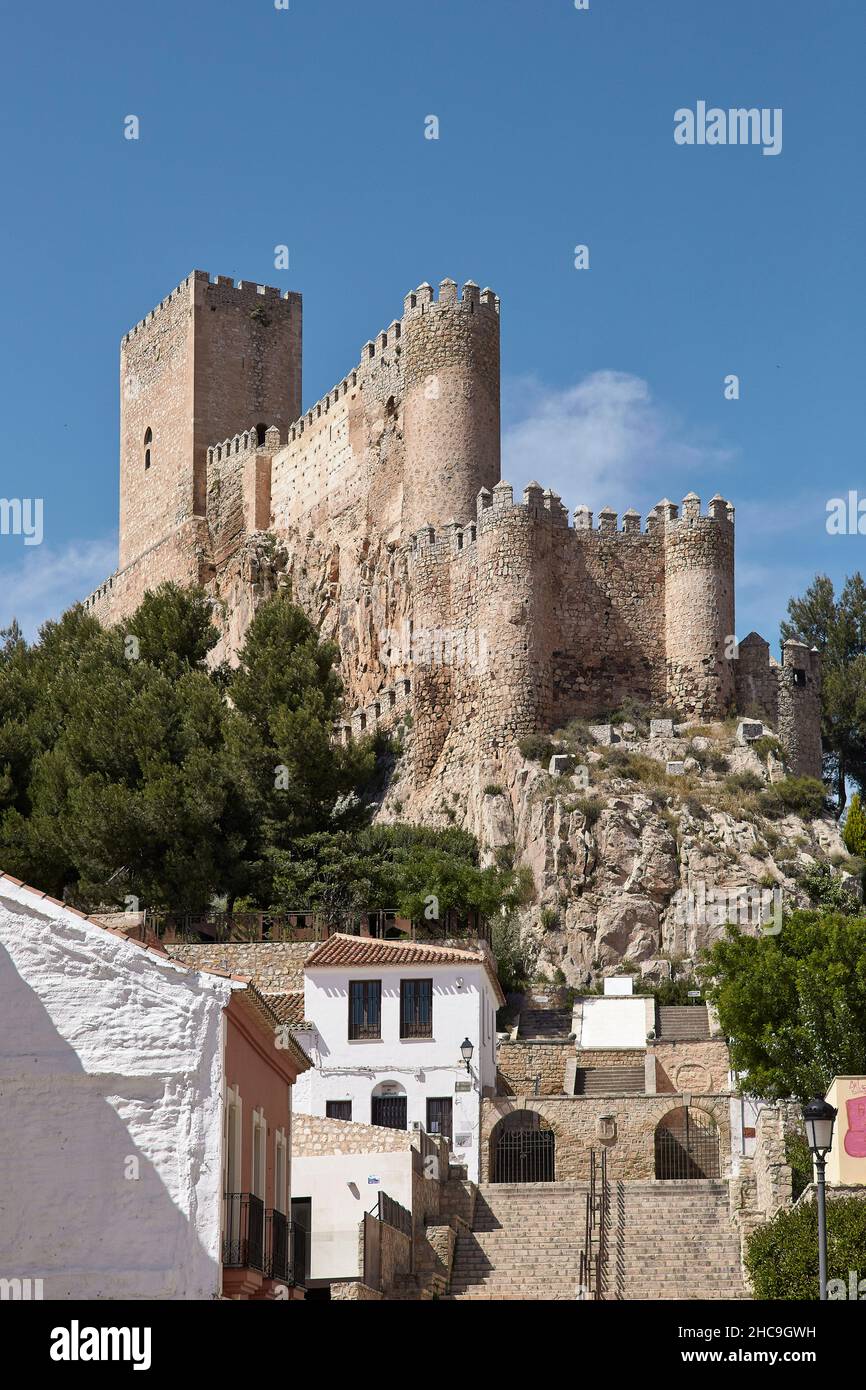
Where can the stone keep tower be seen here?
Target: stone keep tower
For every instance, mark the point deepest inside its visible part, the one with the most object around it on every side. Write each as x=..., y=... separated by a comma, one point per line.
x=210, y=359
x=450, y=354
x=699, y=605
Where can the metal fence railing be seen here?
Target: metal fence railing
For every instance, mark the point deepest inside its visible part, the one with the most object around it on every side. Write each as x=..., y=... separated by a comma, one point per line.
x=593, y=1256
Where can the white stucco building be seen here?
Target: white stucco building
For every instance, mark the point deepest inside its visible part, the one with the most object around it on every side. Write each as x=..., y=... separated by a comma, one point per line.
x=111, y=1059
x=385, y=1022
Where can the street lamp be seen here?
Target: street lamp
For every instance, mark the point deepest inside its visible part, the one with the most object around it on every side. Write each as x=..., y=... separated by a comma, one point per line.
x=819, y=1118
x=466, y=1051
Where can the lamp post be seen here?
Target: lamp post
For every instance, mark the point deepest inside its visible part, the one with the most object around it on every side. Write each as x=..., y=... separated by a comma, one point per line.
x=819, y=1118
x=466, y=1051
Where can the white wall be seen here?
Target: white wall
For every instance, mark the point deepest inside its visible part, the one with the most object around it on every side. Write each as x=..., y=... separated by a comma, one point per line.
x=608, y=1021
x=341, y=1190
x=110, y=1063
x=422, y=1067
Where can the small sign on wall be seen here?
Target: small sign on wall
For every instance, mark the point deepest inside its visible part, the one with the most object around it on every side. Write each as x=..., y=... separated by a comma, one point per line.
x=463, y=1086
x=373, y=1182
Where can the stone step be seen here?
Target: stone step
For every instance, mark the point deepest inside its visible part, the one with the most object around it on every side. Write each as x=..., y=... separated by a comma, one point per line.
x=665, y=1240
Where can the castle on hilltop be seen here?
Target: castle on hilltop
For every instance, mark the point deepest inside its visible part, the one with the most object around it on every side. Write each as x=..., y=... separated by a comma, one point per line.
x=382, y=507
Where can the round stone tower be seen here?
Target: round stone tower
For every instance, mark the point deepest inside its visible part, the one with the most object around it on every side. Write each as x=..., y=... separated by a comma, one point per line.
x=699, y=606
x=450, y=356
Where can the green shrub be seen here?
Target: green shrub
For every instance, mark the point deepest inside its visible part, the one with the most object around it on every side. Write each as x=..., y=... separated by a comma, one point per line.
x=514, y=961
x=708, y=759
x=745, y=782
x=802, y=796
x=634, y=767
x=575, y=736
x=854, y=833
x=589, y=807
x=494, y=789
x=827, y=890
x=536, y=748
x=549, y=918
x=767, y=745
x=696, y=808
x=782, y=1257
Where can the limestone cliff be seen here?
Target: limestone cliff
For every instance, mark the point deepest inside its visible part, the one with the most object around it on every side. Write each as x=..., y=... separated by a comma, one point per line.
x=644, y=847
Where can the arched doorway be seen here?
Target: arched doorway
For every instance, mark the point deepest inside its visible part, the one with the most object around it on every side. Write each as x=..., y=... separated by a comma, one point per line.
x=522, y=1149
x=687, y=1145
x=388, y=1105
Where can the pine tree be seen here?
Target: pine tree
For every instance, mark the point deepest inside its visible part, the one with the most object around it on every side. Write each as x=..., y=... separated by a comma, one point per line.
x=854, y=833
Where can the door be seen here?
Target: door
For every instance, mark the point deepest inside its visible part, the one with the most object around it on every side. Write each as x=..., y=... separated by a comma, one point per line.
x=302, y=1220
x=440, y=1116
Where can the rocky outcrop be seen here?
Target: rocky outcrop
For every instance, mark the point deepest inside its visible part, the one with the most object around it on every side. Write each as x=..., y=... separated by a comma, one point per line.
x=632, y=864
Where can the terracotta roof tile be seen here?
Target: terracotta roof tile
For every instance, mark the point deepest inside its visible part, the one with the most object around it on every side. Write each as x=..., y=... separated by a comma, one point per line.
x=340, y=950
x=288, y=1008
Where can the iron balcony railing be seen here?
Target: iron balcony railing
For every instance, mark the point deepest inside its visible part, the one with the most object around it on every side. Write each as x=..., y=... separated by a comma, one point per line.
x=279, y=1247
x=258, y=1238
x=244, y=1231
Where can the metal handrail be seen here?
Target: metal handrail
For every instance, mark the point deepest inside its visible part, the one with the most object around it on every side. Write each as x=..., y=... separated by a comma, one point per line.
x=593, y=1256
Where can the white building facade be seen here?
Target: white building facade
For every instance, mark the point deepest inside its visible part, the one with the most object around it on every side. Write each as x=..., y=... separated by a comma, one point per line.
x=385, y=1025
x=111, y=1081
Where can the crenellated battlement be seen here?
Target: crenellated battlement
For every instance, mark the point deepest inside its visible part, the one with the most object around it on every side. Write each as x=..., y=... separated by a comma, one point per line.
x=245, y=443
x=423, y=299
x=497, y=506
x=245, y=290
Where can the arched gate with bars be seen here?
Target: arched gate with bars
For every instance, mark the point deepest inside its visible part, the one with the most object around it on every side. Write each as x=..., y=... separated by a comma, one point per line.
x=687, y=1145
x=522, y=1149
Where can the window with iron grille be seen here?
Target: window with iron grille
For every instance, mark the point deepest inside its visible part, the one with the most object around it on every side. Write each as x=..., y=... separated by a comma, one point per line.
x=365, y=1008
x=338, y=1109
x=440, y=1116
x=416, y=1008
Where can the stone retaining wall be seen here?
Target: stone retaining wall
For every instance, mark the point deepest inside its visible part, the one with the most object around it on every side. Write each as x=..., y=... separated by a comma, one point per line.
x=520, y=1063
x=622, y=1125
x=275, y=967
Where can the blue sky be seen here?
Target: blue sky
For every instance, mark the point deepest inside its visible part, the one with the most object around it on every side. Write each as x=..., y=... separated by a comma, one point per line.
x=305, y=127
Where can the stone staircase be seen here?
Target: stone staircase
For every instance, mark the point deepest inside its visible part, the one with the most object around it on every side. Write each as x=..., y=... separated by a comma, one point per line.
x=672, y=1239
x=666, y=1240
x=544, y=1023
x=683, y=1022
x=525, y=1243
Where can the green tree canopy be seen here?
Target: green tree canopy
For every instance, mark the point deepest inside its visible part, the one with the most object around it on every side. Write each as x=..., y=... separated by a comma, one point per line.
x=422, y=872
x=837, y=627
x=792, y=1005
x=126, y=769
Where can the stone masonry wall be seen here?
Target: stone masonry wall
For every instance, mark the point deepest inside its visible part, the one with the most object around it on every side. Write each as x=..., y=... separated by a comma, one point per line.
x=314, y=1134
x=700, y=1067
x=580, y=1123
x=275, y=967
x=522, y=1065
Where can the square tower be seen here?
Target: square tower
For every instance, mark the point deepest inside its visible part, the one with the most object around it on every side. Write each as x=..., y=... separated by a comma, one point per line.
x=212, y=360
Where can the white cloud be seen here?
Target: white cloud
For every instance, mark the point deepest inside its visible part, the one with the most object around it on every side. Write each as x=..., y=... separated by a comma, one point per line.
x=38, y=582
x=603, y=441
